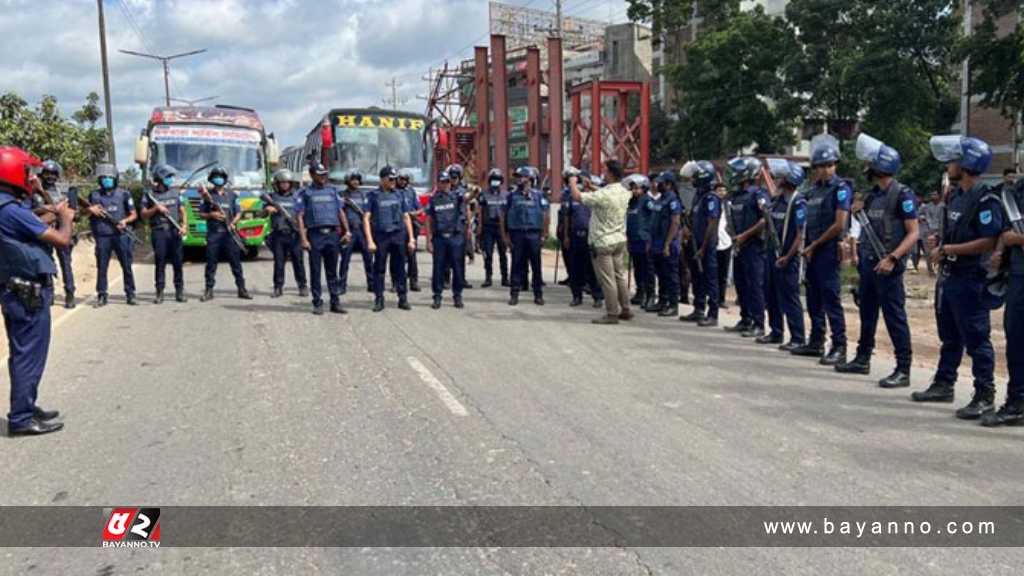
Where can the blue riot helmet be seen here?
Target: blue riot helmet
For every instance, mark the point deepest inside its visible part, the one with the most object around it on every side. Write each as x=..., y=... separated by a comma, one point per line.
x=667, y=180
x=881, y=159
x=444, y=176
x=405, y=174
x=388, y=172
x=702, y=173
x=164, y=174
x=455, y=171
x=106, y=176
x=520, y=173
x=795, y=177
x=495, y=178
x=218, y=177
x=639, y=181
x=50, y=172
x=824, y=150
x=317, y=168
x=283, y=175
x=743, y=169
x=534, y=174
x=974, y=156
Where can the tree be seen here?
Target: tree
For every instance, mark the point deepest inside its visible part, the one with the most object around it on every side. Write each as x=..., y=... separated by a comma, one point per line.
x=45, y=132
x=997, y=61
x=666, y=16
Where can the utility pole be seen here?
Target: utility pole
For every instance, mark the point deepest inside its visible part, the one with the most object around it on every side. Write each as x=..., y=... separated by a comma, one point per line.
x=106, y=84
x=394, y=84
x=165, y=60
x=558, y=18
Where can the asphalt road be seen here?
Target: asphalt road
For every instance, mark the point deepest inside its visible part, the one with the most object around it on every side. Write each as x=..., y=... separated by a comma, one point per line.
x=261, y=403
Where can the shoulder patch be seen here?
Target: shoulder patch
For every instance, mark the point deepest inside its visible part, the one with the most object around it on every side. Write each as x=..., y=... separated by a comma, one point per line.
x=843, y=194
x=711, y=204
x=801, y=212
x=674, y=205
x=908, y=206
x=986, y=217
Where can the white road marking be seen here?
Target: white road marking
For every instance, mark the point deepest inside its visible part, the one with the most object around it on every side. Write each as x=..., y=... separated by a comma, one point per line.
x=442, y=392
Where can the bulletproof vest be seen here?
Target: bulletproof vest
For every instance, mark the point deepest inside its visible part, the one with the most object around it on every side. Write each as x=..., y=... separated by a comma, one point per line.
x=114, y=204
x=323, y=207
x=661, y=216
x=278, y=222
x=745, y=211
x=226, y=201
x=637, y=222
x=27, y=260
x=961, y=215
x=447, y=217
x=172, y=201
x=579, y=216
x=884, y=212
x=412, y=200
x=493, y=199
x=355, y=220
x=524, y=211
x=701, y=214
x=821, y=207
x=387, y=216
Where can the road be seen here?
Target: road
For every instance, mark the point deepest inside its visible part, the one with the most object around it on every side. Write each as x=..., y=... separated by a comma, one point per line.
x=261, y=403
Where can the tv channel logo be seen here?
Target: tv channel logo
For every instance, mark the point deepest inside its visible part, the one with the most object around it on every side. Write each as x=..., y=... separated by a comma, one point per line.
x=131, y=528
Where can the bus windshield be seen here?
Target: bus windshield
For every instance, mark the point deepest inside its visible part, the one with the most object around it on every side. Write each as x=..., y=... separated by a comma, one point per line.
x=188, y=148
x=369, y=144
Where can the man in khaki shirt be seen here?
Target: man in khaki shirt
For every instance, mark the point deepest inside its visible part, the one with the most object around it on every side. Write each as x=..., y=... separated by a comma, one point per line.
x=608, y=207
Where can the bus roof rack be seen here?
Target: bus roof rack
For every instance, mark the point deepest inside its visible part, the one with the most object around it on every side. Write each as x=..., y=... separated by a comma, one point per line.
x=230, y=107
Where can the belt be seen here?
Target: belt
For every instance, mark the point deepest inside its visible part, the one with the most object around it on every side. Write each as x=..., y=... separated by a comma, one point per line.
x=164, y=226
x=580, y=233
x=448, y=234
x=325, y=229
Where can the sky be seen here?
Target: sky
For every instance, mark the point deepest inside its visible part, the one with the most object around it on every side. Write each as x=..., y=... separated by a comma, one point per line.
x=291, y=60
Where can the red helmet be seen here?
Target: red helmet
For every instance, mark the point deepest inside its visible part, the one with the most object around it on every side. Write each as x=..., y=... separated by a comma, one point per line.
x=16, y=167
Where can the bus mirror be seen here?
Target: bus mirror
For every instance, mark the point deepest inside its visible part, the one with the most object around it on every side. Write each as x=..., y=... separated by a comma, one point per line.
x=142, y=150
x=273, y=153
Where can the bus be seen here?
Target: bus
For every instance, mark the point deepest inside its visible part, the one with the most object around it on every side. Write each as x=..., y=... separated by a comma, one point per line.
x=189, y=137
x=367, y=139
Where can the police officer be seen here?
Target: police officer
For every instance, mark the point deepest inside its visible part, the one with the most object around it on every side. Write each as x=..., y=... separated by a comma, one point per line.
x=579, y=263
x=285, y=241
x=788, y=212
x=707, y=210
x=470, y=193
x=355, y=203
x=524, y=225
x=220, y=211
x=389, y=234
x=412, y=202
x=891, y=210
x=492, y=201
x=49, y=177
x=747, y=204
x=26, y=289
x=447, y=230
x=665, y=208
x=165, y=211
x=973, y=222
x=638, y=240
x=112, y=211
x=1012, y=412
x=323, y=226
x=828, y=208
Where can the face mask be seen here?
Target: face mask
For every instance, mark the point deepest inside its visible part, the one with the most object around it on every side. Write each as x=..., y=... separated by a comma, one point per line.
x=107, y=182
x=217, y=181
x=495, y=183
x=168, y=182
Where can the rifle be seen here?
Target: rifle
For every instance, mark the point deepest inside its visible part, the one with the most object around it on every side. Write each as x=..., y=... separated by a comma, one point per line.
x=869, y=231
x=347, y=202
x=106, y=217
x=173, y=222
x=231, y=230
x=269, y=201
x=691, y=241
x=773, y=235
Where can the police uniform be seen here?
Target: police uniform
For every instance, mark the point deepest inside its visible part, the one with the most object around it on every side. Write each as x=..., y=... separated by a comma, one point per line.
x=446, y=211
x=561, y=232
x=492, y=201
x=747, y=203
x=67, y=273
x=707, y=207
x=412, y=203
x=638, y=241
x=579, y=264
x=662, y=209
x=219, y=243
x=356, y=205
x=166, y=239
x=118, y=203
x=1013, y=323
x=285, y=242
x=26, y=307
x=387, y=210
x=824, y=199
x=788, y=216
x=524, y=219
x=320, y=210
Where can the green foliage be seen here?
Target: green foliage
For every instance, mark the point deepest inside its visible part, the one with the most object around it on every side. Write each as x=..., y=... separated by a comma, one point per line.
x=76, y=143
x=670, y=15
x=997, y=62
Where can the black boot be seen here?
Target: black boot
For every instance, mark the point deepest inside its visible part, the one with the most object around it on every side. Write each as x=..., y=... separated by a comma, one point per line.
x=811, y=349
x=637, y=298
x=303, y=291
x=769, y=339
x=1010, y=414
x=754, y=332
x=378, y=303
x=179, y=295
x=739, y=328
x=513, y=299
x=437, y=303
x=403, y=303
x=980, y=404
x=538, y=300
x=159, y=297
x=900, y=378
x=790, y=346
x=243, y=294
x=672, y=309
x=655, y=305
x=695, y=316
x=598, y=303
x=859, y=365
x=414, y=286
x=937, y=391
x=576, y=301
x=101, y=300
x=318, y=309
x=457, y=300
x=130, y=300
x=207, y=295
x=69, y=300
x=504, y=283
x=277, y=293
x=487, y=283
x=709, y=322
x=835, y=356
x=337, y=309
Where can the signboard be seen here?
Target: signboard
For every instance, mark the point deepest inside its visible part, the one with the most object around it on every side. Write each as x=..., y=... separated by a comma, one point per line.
x=375, y=121
x=197, y=134
x=194, y=115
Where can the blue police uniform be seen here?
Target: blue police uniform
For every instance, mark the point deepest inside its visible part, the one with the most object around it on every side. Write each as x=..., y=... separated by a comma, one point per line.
x=562, y=231
x=67, y=273
x=638, y=241
x=23, y=256
x=446, y=211
x=356, y=199
x=887, y=210
x=707, y=207
x=1013, y=316
x=492, y=201
x=963, y=320
x=412, y=204
x=661, y=210
x=789, y=216
x=386, y=218
x=579, y=264
x=320, y=209
x=285, y=242
x=118, y=203
x=218, y=239
x=746, y=205
x=824, y=199
x=524, y=218
x=166, y=240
